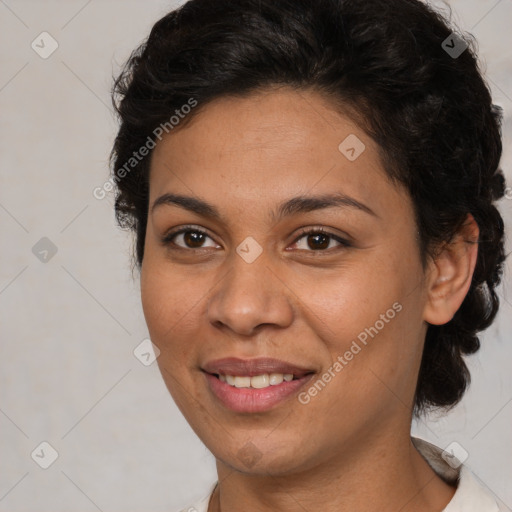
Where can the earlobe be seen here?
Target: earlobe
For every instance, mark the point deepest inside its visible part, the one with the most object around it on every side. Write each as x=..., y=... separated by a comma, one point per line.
x=451, y=274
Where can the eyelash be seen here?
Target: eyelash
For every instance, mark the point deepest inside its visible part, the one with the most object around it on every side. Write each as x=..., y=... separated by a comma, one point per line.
x=167, y=239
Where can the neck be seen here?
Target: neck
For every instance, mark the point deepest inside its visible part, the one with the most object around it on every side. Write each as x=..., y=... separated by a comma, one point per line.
x=386, y=474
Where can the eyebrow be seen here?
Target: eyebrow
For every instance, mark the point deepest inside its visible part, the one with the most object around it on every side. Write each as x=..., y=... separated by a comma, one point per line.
x=299, y=204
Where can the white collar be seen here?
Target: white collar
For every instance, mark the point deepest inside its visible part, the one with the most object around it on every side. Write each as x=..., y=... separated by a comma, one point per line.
x=470, y=496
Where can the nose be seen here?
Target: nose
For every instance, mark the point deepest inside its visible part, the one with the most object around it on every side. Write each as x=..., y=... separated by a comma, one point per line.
x=249, y=296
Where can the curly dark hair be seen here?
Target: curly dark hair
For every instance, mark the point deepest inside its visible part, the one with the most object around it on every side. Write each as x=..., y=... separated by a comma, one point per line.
x=384, y=61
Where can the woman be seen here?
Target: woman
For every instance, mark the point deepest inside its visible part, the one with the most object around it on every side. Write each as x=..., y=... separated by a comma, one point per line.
x=312, y=188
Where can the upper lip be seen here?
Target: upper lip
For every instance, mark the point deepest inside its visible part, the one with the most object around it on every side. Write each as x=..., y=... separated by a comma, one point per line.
x=251, y=367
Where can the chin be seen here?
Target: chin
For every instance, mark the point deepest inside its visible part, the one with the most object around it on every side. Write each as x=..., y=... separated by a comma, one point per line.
x=259, y=457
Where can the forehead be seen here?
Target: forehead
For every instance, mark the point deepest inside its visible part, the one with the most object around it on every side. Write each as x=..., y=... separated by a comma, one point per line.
x=268, y=146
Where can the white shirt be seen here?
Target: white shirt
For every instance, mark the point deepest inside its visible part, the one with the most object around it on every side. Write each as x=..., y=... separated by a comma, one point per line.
x=470, y=496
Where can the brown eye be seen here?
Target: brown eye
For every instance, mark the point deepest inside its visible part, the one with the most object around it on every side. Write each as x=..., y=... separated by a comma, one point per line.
x=319, y=240
x=193, y=238
x=190, y=238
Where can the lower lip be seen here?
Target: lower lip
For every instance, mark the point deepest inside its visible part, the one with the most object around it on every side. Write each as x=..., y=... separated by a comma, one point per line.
x=252, y=399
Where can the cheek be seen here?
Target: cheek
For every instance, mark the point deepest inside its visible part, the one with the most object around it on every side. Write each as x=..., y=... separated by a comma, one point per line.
x=344, y=303
x=371, y=324
x=170, y=299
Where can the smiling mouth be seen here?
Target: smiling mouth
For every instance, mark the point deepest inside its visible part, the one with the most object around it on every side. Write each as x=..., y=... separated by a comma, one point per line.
x=262, y=381
x=256, y=393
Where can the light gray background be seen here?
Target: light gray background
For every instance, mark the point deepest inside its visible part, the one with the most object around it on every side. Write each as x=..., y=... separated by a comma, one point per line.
x=69, y=326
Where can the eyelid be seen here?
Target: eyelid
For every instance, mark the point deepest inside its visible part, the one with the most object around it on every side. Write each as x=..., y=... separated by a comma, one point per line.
x=167, y=238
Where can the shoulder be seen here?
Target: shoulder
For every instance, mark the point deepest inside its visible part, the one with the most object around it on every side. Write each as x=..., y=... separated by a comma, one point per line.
x=471, y=494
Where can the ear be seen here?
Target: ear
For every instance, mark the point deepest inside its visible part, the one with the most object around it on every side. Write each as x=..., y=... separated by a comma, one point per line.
x=450, y=274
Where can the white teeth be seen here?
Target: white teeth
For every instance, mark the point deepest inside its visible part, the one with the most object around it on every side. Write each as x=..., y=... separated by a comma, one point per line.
x=276, y=378
x=242, y=382
x=258, y=381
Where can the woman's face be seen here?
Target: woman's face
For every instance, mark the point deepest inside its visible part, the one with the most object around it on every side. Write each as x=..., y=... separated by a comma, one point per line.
x=342, y=311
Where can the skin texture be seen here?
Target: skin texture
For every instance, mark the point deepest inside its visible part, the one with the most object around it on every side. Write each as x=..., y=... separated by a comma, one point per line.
x=349, y=448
